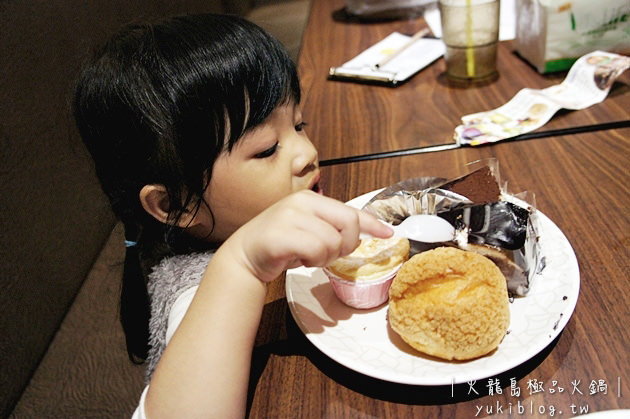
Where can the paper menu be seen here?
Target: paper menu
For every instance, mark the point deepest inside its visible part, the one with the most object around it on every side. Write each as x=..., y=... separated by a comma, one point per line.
x=411, y=60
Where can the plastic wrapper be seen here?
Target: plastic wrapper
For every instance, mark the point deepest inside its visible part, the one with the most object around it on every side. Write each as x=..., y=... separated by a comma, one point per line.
x=489, y=220
x=551, y=34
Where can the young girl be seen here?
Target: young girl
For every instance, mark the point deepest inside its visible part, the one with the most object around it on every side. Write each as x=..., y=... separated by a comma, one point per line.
x=199, y=143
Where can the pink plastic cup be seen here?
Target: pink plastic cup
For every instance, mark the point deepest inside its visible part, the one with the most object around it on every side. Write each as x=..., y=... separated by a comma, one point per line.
x=362, y=294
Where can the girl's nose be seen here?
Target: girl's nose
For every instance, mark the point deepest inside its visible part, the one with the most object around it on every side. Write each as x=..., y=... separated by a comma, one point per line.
x=306, y=158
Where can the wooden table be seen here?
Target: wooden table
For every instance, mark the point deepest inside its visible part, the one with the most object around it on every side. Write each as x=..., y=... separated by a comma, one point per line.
x=580, y=182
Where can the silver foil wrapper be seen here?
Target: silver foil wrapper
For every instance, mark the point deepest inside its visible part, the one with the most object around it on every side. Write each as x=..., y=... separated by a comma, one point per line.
x=504, y=230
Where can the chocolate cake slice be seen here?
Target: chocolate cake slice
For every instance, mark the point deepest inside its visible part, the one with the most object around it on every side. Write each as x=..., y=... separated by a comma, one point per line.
x=480, y=186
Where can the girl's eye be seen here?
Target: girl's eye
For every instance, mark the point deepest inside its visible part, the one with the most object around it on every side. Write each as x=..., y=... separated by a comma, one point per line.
x=268, y=152
x=300, y=127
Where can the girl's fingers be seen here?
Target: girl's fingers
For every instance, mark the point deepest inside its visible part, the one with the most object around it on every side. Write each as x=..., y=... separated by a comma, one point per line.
x=372, y=226
x=305, y=229
x=350, y=222
x=290, y=239
x=317, y=243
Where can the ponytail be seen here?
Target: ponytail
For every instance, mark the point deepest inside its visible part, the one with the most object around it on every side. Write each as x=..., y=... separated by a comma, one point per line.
x=134, y=304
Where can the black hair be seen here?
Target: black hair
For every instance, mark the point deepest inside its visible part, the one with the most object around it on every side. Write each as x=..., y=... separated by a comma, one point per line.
x=158, y=104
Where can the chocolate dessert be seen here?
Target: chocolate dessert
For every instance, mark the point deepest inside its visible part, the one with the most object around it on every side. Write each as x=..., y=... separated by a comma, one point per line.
x=485, y=221
x=480, y=186
x=501, y=224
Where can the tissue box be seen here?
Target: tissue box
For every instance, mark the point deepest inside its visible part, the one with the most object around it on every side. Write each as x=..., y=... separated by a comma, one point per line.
x=553, y=34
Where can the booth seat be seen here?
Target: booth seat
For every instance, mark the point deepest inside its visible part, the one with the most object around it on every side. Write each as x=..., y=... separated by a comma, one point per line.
x=62, y=350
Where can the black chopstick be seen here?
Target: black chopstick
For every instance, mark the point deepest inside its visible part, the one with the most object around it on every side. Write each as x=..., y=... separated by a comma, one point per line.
x=388, y=154
x=453, y=146
x=573, y=130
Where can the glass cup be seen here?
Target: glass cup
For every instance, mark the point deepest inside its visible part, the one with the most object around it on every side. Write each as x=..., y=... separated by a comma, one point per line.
x=470, y=31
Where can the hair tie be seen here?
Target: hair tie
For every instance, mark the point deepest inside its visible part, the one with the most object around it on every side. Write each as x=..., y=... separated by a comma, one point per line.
x=129, y=243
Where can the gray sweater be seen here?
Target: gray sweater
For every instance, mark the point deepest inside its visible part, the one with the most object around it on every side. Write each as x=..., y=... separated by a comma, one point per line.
x=168, y=280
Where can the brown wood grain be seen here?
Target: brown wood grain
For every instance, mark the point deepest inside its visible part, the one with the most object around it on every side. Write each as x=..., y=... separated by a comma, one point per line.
x=581, y=182
x=349, y=119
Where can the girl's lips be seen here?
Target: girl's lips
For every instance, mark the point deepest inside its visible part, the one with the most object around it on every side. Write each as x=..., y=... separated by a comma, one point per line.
x=315, y=186
x=317, y=189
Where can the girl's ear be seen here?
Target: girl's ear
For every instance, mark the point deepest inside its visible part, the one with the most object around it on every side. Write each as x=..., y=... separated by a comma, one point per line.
x=154, y=199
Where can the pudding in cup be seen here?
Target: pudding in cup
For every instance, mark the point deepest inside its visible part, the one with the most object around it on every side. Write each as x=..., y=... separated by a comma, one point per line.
x=362, y=279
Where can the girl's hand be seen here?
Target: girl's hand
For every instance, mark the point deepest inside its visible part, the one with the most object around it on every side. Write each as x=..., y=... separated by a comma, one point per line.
x=302, y=229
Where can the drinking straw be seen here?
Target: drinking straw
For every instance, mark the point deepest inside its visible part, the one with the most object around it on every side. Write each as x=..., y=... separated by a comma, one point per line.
x=470, y=54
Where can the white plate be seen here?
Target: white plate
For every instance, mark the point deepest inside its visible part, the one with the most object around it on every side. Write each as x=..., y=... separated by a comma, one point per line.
x=362, y=340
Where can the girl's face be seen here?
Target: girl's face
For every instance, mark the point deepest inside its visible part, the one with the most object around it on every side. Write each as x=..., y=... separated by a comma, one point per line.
x=268, y=163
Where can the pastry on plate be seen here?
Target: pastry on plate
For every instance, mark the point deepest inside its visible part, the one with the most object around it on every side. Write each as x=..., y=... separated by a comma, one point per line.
x=450, y=303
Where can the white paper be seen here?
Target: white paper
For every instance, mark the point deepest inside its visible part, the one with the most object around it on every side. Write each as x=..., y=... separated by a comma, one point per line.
x=586, y=84
x=413, y=59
